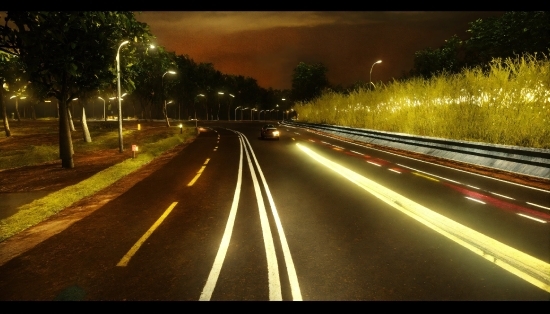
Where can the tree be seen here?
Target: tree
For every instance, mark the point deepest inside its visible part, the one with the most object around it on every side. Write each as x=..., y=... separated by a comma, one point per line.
x=308, y=81
x=511, y=34
x=10, y=69
x=446, y=59
x=68, y=52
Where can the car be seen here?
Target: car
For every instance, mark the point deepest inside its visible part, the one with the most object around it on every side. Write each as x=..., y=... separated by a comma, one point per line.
x=269, y=131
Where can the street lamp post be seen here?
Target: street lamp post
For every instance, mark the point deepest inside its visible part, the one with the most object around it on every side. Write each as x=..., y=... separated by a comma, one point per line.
x=104, y=116
x=163, y=97
x=236, y=112
x=242, y=112
x=218, y=115
x=120, y=145
x=206, y=105
x=370, y=78
x=229, y=107
x=251, y=113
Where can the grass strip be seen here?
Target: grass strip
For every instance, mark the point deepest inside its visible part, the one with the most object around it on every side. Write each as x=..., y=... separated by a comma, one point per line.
x=35, y=212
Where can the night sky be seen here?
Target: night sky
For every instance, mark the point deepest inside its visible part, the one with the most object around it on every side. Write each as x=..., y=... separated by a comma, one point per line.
x=267, y=46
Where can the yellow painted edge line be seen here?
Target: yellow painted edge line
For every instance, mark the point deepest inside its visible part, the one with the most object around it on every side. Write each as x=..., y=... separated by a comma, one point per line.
x=124, y=261
x=423, y=176
x=207, y=160
x=196, y=177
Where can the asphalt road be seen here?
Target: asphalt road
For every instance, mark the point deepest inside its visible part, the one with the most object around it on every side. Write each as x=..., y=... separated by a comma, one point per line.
x=234, y=217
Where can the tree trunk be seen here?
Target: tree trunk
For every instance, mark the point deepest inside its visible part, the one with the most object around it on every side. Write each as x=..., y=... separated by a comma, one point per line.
x=165, y=115
x=70, y=118
x=65, y=141
x=33, y=112
x=4, y=115
x=85, y=130
x=17, y=109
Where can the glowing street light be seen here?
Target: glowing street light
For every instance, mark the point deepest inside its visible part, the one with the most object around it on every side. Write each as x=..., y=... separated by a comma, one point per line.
x=162, y=85
x=236, y=112
x=218, y=115
x=206, y=105
x=104, y=116
x=242, y=112
x=229, y=107
x=120, y=146
x=370, y=78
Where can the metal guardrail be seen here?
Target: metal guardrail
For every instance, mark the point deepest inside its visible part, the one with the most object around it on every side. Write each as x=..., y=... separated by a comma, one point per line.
x=528, y=161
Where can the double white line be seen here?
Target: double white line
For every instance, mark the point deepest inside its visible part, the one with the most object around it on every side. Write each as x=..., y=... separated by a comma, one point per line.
x=272, y=265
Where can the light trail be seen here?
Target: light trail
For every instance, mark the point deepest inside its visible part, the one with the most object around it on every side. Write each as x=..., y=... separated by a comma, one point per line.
x=529, y=268
x=472, y=173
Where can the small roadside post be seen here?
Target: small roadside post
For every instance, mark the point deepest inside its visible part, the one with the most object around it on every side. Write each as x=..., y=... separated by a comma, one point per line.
x=134, y=150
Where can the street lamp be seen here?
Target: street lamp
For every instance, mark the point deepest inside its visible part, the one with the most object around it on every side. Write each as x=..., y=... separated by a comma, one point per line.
x=218, y=115
x=370, y=78
x=120, y=145
x=242, y=112
x=206, y=105
x=104, y=116
x=277, y=112
x=251, y=109
x=162, y=85
x=229, y=107
x=236, y=112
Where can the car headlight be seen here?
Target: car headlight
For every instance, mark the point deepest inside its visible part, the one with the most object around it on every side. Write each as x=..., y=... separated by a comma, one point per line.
x=276, y=133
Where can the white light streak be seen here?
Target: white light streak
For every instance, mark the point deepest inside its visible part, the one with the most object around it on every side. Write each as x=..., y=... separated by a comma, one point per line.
x=473, y=199
x=533, y=218
x=538, y=205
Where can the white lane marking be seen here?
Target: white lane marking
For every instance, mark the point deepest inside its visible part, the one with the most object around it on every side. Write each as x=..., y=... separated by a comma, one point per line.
x=538, y=205
x=533, y=218
x=475, y=200
x=357, y=152
x=502, y=195
x=472, y=173
x=208, y=289
x=291, y=270
x=370, y=162
x=274, y=280
x=473, y=187
x=395, y=171
x=527, y=267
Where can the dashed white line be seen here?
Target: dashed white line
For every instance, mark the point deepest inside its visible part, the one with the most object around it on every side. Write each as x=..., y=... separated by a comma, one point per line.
x=538, y=205
x=370, y=162
x=473, y=199
x=532, y=218
x=502, y=195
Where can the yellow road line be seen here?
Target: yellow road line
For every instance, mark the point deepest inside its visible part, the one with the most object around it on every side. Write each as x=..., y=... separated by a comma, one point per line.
x=196, y=177
x=423, y=176
x=207, y=160
x=124, y=261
